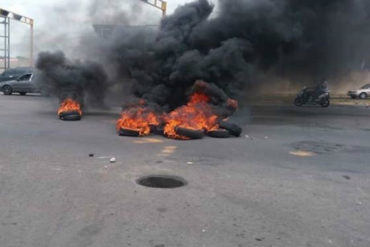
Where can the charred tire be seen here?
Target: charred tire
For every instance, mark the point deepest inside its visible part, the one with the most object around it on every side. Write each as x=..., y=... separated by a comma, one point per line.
x=298, y=102
x=190, y=133
x=325, y=103
x=353, y=96
x=234, y=129
x=129, y=132
x=22, y=93
x=156, y=129
x=362, y=96
x=70, y=116
x=8, y=90
x=219, y=133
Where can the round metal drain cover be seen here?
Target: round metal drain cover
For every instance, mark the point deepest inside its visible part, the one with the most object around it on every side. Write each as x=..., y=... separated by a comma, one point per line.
x=162, y=181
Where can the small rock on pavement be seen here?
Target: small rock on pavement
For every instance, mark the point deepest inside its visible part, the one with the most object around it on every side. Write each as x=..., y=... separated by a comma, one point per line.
x=346, y=177
x=113, y=160
x=91, y=155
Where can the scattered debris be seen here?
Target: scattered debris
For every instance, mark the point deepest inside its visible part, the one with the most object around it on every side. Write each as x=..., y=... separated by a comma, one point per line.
x=113, y=160
x=189, y=162
x=302, y=153
x=346, y=177
x=91, y=155
x=249, y=137
x=319, y=147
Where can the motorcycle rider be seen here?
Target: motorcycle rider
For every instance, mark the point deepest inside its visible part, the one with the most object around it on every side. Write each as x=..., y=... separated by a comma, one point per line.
x=317, y=95
x=321, y=89
x=313, y=93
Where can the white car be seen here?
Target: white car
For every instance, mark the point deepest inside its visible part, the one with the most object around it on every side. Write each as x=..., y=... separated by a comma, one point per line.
x=361, y=93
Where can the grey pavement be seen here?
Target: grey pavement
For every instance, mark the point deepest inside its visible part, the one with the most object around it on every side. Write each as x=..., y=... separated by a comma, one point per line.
x=296, y=177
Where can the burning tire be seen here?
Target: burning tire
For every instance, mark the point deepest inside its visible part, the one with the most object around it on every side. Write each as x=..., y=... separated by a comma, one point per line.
x=190, y=133
x=156, y=129
x=219, y=133
x=129, y=132
x=70, y=116
x=234, y=129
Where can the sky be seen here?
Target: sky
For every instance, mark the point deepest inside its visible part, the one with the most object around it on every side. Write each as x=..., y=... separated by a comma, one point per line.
x=57, y=20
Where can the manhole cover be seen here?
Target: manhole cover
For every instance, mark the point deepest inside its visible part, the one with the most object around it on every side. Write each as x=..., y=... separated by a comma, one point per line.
x=162, y=181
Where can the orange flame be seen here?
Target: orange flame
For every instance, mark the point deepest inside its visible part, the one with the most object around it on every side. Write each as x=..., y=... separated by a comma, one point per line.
x=137, y=118
x=69, y=105
x=197, y=114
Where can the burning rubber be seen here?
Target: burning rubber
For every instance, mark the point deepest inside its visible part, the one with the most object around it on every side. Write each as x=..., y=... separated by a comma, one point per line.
x=234, y=129
x=189, y=133
x=203, y=114
x=162, y=181
x=70, y=116
x=219, y=133
x=70, y=110
x=129, y=132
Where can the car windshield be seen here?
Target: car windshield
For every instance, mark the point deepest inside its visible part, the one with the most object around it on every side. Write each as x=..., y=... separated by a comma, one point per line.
x=366, y=86
x=16, y=71
x=25, y=77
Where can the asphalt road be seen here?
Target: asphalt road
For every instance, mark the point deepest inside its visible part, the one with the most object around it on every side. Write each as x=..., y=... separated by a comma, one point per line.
x=297, y=177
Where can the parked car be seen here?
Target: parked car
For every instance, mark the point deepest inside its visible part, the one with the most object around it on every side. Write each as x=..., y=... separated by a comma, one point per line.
x=22, y=85
x=12, y=74
x=361, y=93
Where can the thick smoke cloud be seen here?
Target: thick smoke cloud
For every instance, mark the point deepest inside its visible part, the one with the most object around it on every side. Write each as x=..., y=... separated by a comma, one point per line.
x=67, y=79
x=298, y=40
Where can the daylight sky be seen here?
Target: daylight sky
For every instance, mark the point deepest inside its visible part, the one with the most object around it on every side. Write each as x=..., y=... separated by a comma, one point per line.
x=56, y=18
x=34, y=8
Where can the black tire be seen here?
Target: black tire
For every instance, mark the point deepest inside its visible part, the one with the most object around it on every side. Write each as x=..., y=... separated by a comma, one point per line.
x=234, y=129
x=363, y=95
x=8, y=90
x=156, y=129
x=219, y=133
x=325, y=103
x=70, y=116
x=353, y=96
x=22, y=93
x=129, y=132
x=298, y=101
x=190, y=133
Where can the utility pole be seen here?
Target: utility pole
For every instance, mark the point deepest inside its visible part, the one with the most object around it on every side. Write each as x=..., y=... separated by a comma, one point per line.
x=7, y=16
x=159, y=4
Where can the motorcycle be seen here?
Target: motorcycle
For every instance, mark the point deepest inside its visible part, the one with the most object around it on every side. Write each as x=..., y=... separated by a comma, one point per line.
x=307, y=97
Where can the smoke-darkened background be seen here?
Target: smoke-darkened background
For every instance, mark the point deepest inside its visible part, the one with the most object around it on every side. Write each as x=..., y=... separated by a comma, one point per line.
x=229, y=45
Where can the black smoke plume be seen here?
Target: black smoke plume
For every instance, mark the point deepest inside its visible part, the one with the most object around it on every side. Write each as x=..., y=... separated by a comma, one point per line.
x=75, y=80
x=297, y=40
x=232, y=43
